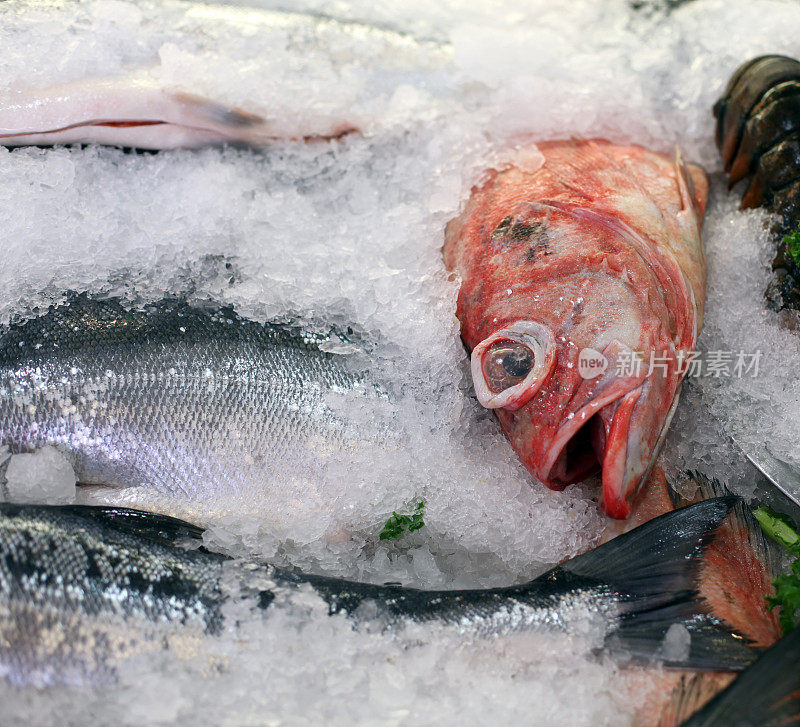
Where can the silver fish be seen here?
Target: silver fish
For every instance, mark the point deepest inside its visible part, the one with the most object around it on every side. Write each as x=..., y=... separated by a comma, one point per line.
x=189, y=411
x=83, y=589
x=149, y=107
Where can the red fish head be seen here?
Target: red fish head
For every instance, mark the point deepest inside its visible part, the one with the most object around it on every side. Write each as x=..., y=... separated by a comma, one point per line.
x=578, y=356
x=574, y=396
x=582, y=283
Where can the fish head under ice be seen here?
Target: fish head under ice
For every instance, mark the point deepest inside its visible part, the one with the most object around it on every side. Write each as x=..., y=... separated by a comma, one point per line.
x=577, y=357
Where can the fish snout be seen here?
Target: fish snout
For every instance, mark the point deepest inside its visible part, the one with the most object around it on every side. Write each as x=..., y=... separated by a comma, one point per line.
x=615, y=424
x=578, y=447
x=511, y=365
x=590, y=419
x=568, y=421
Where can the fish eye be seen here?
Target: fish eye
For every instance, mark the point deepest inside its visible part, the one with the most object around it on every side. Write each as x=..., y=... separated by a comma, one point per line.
x=507, y=363
x=509, y=366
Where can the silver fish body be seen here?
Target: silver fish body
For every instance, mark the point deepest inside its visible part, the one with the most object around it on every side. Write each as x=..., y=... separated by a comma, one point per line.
x=83, y=589
x=189, y=411
x=80, y=595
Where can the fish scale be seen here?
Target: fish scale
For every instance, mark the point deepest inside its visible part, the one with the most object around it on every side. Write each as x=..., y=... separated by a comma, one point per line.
x=82, y=589
x=180, y=407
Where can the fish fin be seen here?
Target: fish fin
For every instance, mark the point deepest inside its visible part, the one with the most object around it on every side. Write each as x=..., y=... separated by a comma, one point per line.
x=767, y=693
x=692, y=692
x=692, y=185
x=218, y=115
x=739, y=568
x=654, y=568
x=240, y=126
x=685, y=183
x=152, y=526
x=705, y=488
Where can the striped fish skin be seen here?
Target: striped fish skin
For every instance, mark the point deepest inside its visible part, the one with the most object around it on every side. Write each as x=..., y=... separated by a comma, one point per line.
x=83, y=589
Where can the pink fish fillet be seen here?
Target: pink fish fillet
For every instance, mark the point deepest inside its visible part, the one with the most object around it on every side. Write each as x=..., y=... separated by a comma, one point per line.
x=582, y=293
x=137, y=112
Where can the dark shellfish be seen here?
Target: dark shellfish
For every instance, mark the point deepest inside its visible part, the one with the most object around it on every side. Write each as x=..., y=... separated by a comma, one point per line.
x=758, y=133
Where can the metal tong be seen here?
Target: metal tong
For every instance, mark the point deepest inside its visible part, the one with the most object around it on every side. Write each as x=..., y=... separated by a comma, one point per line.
x=783, y=490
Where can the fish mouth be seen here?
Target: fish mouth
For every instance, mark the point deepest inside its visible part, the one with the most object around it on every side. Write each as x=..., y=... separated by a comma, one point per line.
x=586, y=442
x=575, y=455
x=621, y=433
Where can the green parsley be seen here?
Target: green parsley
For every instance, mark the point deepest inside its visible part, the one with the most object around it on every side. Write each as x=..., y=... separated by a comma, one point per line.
x=397, y=525
x=787, y=585
x=792, y=242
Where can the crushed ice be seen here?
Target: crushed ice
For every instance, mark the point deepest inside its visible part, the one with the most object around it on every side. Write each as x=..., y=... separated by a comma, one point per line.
x=677, y=643
x=42, y=477
x=350, y=232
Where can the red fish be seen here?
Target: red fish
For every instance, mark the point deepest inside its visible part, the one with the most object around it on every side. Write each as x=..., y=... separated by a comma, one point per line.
x=738, y=571
x=582, y=292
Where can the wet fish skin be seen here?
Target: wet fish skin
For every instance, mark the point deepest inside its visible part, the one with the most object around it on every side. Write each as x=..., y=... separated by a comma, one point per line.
x=81, y=594
x=84, y=588
x=589, y=252
x=129, y=112
x=191, y=411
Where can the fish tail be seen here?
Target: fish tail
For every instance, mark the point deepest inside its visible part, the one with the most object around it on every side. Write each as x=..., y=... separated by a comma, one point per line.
x=767, y=693
x=654, y=572
x=692, y=692
x=739, y=567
